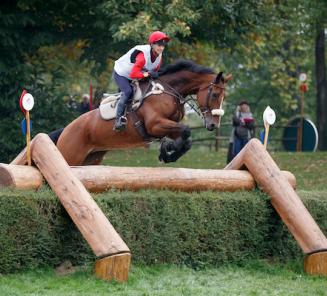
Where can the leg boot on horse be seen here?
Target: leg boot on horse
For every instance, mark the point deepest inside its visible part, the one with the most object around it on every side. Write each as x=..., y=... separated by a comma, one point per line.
x=171, y=150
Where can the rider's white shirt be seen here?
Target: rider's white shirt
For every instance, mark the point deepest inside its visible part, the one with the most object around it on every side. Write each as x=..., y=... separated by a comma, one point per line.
x=123, y=65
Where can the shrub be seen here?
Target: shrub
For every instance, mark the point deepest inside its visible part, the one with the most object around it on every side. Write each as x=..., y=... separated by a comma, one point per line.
x=195, y=229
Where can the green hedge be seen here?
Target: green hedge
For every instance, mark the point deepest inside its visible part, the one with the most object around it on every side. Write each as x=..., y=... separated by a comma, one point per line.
x=158, y=226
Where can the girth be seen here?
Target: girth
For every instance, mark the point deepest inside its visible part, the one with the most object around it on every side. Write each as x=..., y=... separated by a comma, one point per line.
x=140, y=128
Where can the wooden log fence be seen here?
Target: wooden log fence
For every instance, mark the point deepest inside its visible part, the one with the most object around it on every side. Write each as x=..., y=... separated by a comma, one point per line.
x=66, y=182
x=102, y=178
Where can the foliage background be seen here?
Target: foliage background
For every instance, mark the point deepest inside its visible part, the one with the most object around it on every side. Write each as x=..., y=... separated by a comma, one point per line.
x=54, y=49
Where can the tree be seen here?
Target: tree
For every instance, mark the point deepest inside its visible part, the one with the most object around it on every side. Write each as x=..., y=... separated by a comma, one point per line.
x=26, y=26
x=321, y=88
x=319, y=10
x=107, y=28
x=257, y=40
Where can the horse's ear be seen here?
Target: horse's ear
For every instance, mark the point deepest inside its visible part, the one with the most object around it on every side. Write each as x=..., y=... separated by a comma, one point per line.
x=228, y=77
x=218, y=78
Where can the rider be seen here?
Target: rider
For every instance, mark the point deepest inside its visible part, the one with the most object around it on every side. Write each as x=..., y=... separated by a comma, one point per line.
x=140, y=62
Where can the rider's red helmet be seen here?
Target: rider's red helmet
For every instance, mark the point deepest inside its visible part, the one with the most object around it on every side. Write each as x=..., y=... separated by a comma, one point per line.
x=157, y=36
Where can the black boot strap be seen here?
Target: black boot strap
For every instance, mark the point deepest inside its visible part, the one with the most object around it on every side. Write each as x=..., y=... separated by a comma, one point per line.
x=140, y=128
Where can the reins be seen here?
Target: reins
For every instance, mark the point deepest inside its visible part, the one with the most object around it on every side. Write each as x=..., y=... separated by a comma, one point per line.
x=182, y=100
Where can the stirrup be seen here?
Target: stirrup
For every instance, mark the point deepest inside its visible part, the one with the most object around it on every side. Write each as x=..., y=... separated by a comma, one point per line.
x=120, y=124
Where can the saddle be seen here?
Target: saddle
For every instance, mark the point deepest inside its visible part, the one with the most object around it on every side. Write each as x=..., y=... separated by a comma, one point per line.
x=109, y=102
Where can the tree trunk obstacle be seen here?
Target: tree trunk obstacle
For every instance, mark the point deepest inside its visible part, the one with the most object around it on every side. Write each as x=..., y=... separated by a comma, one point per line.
x=104, y=240
x=101, y=178
x=287, y=204
x=84, y=211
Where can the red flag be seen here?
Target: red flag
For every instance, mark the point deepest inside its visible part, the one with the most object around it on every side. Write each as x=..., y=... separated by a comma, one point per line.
x=91, y=96
x=24, y=92
x=303, y=87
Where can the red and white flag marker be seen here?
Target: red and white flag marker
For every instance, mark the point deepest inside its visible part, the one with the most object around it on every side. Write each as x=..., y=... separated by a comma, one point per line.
x=26, y=103
x=269, y=118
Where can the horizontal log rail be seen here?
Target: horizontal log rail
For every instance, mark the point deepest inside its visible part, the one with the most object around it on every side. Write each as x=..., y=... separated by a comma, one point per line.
x=102, y=178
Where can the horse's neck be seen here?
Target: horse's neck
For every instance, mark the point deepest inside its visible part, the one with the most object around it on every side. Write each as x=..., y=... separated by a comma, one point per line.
x=186, y=83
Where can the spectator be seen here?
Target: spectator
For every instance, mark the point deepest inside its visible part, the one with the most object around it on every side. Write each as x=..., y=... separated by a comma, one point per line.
x=243, y=129
x=72, y=104
x=85, y=104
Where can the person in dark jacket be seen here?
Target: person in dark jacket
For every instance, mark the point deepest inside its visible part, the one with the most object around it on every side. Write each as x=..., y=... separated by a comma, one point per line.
x=243, y=129
x=85, y=104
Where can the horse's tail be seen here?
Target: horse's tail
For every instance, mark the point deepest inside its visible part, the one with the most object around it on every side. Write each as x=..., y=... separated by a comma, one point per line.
x=54, y=135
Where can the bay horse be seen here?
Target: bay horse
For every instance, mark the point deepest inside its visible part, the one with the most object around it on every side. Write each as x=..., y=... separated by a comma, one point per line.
x=86, y=139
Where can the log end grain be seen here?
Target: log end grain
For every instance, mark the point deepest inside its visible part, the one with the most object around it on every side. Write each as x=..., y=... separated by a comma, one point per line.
x=115, y=267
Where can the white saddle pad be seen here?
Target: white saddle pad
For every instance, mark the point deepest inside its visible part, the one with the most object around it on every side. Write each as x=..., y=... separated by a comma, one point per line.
x=108, y=105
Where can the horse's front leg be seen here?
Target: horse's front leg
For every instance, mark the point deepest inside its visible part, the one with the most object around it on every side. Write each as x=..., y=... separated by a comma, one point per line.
x=178, y=142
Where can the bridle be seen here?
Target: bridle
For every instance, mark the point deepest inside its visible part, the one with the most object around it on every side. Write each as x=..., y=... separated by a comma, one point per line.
x=205, y=109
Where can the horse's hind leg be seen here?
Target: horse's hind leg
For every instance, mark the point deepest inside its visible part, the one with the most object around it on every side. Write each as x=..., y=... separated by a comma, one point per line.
x=94, y=158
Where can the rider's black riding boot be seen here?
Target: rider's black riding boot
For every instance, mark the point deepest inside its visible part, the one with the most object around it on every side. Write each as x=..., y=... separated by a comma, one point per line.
x=121, y=120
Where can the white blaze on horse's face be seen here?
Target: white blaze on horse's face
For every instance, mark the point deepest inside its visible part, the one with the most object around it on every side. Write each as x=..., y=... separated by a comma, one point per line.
x=220, y=111
x=216, y=113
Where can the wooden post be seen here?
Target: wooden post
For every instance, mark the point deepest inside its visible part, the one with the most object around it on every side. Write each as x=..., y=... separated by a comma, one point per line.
x=266, y=135
x=217, y=140
x=286, y=202
x=113, y=267
x=316, y=263
x=283, y=198
x=21, y=158
x=81, y=207
x=28, y=137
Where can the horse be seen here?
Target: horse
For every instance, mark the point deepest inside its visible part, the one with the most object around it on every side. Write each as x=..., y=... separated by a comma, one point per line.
x=86, y=139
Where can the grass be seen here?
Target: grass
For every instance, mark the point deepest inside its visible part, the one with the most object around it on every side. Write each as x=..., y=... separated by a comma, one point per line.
x=310, y=169
x=255, y=278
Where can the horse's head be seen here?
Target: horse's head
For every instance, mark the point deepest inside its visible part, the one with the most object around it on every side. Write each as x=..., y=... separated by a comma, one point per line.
x=210, y=98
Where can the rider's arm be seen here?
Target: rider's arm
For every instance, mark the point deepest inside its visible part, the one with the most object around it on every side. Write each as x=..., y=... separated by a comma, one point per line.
x=136, y=72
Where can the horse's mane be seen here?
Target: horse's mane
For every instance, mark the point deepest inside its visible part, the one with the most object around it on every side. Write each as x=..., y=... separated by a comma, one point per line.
x=184, y=65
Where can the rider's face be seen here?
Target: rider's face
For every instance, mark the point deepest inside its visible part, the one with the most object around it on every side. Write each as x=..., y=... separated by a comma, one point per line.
x=158, y=48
